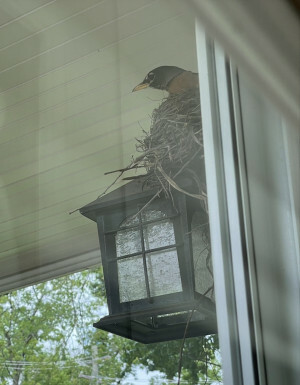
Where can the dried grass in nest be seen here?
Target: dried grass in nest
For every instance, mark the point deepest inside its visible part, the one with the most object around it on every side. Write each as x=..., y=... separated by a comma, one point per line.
x=175, y=132
x=174, y=146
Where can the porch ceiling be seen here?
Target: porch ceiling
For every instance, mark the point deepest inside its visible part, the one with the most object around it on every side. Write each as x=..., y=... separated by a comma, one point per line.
x=67, y=115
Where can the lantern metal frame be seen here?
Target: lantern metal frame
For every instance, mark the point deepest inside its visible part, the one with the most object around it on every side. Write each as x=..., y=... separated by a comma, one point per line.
x=153, y=318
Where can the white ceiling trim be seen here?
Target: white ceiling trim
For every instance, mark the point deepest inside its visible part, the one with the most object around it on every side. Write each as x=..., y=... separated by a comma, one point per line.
x=50, y=271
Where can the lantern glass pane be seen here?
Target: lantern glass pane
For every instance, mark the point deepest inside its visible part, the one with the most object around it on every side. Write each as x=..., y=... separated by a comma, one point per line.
x=202, y=257
x=150, y=215
x=132, y=285
x=163, y=272
x=158, y=234
x=128, y=242
x=133, y=220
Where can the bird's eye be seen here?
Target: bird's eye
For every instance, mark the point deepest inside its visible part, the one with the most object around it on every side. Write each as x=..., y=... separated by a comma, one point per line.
x=150, y=76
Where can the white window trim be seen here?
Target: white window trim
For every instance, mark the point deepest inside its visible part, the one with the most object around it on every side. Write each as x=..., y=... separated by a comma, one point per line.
x=244, y=342
x=225, y=226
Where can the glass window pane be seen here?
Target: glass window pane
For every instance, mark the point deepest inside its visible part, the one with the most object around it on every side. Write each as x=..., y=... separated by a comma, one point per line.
x=133, y=220
x=150, y=215
x=159, y=234
x=163, y=272
x=132, y=285
x=128, y=242
x=70, y=90
x=204, y=283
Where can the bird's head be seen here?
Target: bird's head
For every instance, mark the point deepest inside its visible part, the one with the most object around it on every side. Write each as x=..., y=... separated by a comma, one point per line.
x=159, y=78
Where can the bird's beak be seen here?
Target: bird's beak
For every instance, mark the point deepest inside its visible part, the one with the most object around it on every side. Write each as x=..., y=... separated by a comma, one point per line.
x=140, y=86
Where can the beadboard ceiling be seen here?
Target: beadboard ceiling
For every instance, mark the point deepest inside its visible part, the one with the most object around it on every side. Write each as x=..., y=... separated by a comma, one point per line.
x=67, y=116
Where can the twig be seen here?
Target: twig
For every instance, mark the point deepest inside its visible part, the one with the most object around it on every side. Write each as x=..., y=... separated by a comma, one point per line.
x=186, y=163
x=74, y=211
x=197, y=140
x=182, y=345
x=124, y=169
x=206, y=378
x=107, y=188
x=147, y=204
x=196, y=228
x=208, y=290
x=141, y=157
x=175, y=185
x=208, y=259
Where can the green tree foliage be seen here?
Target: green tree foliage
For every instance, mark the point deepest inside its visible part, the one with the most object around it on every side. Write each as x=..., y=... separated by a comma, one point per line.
x=46, y=333
x=46, y=338
x=199, y=361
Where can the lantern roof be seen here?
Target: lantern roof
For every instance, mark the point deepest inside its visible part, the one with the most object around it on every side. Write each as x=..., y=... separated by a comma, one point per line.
x=135, y=189
x=126, y=193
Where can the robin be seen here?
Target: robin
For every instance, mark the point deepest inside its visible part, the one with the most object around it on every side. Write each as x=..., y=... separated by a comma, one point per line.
x=173, y=79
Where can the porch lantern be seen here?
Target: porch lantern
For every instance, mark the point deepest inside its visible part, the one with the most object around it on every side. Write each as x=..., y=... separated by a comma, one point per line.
x=151, y=278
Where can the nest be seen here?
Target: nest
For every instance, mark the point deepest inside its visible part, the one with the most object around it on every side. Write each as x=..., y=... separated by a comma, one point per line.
x=173, y=149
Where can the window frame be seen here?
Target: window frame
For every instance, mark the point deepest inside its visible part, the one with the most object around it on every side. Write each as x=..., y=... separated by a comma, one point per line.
x=252, y=188
x=226, y=214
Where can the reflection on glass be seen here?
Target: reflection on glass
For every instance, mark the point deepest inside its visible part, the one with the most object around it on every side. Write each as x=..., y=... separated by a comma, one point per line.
x=132, y=285
x=163, y=272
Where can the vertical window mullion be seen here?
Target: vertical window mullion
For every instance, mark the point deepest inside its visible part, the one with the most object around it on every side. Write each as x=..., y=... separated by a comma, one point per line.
x=144, y=257
x=235, y=220
x=218, y=214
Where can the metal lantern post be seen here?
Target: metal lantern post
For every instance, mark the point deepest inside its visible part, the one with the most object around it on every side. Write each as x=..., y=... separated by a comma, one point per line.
x=153, y=281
